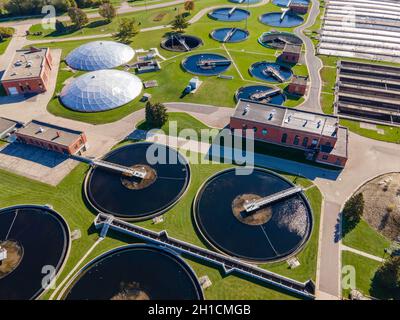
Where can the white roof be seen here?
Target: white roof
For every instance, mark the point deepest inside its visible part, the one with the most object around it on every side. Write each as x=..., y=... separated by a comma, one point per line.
x=99, y=55
x=101, y=90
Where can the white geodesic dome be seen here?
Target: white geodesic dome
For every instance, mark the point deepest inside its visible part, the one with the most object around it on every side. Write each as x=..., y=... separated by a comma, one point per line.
x=101, y=90
x=98, y=55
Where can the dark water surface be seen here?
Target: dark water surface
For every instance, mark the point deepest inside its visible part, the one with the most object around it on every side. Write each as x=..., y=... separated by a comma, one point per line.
x=191, y=64
x=286, y=231
x=43, y=235
x=257, y=70
x=109, y=195
x=237, y=36
x=157, y=273
x=223, y=14
x=247, y=92
x=289, y=20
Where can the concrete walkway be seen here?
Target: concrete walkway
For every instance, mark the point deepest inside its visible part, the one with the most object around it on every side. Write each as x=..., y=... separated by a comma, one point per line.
x=361, y=253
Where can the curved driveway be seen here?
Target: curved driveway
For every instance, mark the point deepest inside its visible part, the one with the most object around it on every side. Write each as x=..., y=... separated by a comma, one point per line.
x=314, y=64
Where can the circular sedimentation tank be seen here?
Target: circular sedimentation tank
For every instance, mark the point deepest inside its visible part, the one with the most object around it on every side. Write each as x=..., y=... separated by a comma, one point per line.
x=181, y=42
x=271, y=233
x=37, y=243
x=231, y=14
x=166, y=177
x=206, y=64
x=259, y=93
x=275, y=19
x=278, y=40
x=284, y=3
x=229, y=35
x=136, y=272
x=270, y=72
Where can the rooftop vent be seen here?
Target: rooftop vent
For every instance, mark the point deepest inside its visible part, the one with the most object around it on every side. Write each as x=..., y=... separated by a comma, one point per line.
x=305, y=123
x=41, y=130
x=319, y=123
x=246, y=110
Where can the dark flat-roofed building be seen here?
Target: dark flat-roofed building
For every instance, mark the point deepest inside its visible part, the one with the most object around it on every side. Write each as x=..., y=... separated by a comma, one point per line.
x=6, y=126
x=319, y=135
x=28, y=72
x=298, y=85
x=291, y=53
x=297, y=7
x=52, y=137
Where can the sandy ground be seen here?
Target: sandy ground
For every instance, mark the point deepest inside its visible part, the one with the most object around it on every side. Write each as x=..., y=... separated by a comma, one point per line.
x=382, y=204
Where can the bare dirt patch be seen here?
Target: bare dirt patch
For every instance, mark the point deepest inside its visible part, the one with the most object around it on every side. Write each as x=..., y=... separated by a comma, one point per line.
x=131, y=291
x=255, y=218
x=134, y=183
x=14, y=257
x=382, y=204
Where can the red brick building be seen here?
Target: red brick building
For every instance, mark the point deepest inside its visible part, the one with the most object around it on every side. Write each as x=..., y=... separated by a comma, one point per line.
x=291, y=53
x=298, y=85
x=319, y=135
x=28, y=72
x=299, y=8
x=51, y=137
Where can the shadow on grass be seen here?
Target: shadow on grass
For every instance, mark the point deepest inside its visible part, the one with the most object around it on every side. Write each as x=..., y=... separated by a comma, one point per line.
x=345, y=226
x=380, y=287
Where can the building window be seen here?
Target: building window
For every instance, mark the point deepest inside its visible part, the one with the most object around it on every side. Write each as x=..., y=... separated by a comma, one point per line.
x=296, y=140
x=325, y=157
x=264, y=132
x=255, y=129
x=305, y=142
x=328, y=144
x=284, y=138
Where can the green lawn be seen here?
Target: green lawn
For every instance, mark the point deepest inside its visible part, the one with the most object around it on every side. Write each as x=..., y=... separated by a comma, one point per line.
x=392, y=134
x=67, y=199
x=183, y=121
x=365, y=238
x=365, y=270
x=145, y=18
x=172, y=79
x=4, y=45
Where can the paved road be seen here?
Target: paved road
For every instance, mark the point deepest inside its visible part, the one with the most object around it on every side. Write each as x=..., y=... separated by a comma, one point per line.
x=329, y=264
x=314, y=64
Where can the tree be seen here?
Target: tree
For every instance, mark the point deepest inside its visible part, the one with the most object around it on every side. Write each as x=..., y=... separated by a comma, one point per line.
x=156, y=115
x=189, y=5
x=71, y=3
x=60, y=26
x=107, y=11
x=180, y=23
x=78, y=17
x=387, y=278
x=127, y=29
x=354, y=208
x=6, y=32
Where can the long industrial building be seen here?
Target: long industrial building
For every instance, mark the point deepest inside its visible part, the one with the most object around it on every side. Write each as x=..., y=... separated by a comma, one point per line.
x=363, y=29
x=368, y=92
